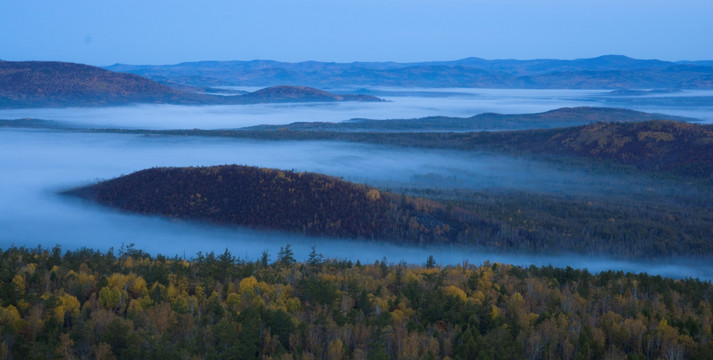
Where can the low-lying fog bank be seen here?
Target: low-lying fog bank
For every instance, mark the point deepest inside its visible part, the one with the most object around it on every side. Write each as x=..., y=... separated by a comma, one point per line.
x=402, y=104
x=156, y=235
x=36, y=164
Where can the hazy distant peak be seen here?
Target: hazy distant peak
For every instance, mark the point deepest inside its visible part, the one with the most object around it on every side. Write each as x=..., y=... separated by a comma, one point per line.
x=302, y=93
x=291, y=91
x=603, y=72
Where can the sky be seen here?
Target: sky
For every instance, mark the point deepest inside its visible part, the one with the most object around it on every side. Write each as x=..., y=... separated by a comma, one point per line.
x=172, y=31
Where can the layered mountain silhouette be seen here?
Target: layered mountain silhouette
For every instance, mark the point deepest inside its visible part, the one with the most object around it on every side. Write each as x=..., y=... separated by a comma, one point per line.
x=51, y=84
x=604, y=72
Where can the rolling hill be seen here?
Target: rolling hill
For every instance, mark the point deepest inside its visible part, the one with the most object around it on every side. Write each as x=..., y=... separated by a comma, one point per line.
x=271, y=199
x=286, y=93
x=653, y=146
x=45, y=83
x=619, y=136
x=56, y=84
x=562, y=117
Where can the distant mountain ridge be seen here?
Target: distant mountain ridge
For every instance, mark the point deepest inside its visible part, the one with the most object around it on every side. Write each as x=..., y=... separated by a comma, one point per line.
x=52, y=84
x=604, y=72
x=557, y=118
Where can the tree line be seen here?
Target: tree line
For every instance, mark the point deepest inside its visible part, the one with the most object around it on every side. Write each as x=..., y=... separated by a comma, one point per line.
x=126, y=304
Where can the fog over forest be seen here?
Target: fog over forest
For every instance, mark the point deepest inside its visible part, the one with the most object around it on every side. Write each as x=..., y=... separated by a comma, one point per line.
x=401, y=104
x=36, y=164
x=356, y=180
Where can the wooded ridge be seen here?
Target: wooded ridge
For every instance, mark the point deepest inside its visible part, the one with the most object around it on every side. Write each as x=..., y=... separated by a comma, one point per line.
x=271, y=199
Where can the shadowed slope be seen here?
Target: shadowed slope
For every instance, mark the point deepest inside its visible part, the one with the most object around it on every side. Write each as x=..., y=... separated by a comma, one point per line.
x=272, y=199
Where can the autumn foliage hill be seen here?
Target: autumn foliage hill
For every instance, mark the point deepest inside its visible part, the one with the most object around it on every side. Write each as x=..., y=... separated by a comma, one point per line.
x=269, y=199
x=658, y=146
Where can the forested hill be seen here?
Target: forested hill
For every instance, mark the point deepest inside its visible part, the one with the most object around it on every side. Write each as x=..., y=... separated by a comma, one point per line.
x=666, y=223
x=284, y=93
x=281, y=200
x=657, y=147
x=562, y=117
x=51, y=84
x=653, y=146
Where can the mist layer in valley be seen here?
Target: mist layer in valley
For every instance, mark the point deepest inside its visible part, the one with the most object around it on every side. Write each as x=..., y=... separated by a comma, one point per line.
x=36, y=164
x=403, y=103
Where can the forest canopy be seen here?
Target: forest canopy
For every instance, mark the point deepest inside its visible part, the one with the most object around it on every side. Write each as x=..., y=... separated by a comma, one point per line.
x=272, y=199
x=89, y=304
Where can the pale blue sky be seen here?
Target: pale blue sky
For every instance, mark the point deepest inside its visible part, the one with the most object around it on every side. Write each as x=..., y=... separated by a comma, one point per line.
x=103, y=32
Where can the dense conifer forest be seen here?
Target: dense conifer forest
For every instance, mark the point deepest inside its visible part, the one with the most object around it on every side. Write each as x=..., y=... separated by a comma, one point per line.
x=126, y=304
